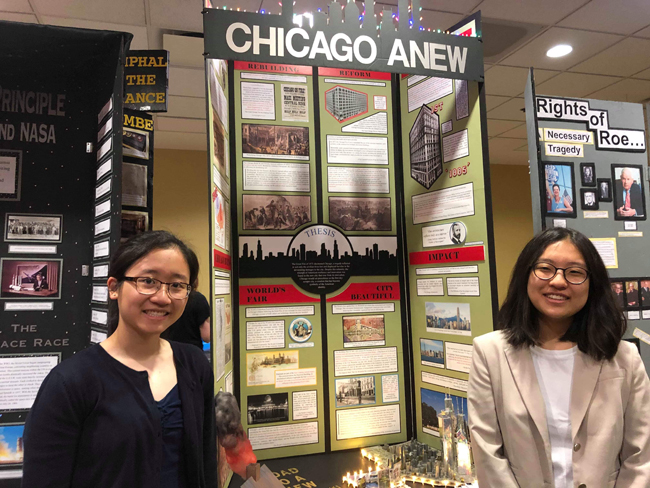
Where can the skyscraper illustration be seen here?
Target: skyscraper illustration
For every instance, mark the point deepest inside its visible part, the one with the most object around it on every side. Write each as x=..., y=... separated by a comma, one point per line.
x=426, y=148
x=344, y=103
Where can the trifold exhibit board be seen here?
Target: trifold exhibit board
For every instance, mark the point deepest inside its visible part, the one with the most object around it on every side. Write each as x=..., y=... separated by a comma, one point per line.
x=588, y=171
x=60, y=178
x=360, y=263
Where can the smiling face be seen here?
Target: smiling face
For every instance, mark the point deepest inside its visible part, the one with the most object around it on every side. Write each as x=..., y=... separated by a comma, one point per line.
x=556, y=191
x=557, y=300
x=151, y=314
x=626, y=179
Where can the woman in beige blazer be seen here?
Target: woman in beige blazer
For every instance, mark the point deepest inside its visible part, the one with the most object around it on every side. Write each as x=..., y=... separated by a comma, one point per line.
x=556, y=399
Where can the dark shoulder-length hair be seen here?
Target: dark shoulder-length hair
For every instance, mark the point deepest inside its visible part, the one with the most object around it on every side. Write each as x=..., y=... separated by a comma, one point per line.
x=597, y=328
x=137, y=247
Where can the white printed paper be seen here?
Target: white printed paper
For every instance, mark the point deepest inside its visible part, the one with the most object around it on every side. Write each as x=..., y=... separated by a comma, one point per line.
x=31, y=249
x=455, y=146
x=365, y=361
x=265, y=176
x=106, y=128
x=428, y=91
x=430, y=287
x=221, y=287
x=463, y=287
x=21, y=377
x=102, y=208
x=641, y=335
x=28, y=307
x=100, y=293
x=444, y=381
x=104, y=168
x=108, y=106
x=633, y=315
x=606, y=247
x=294, y=103
x=220, y=182
x=462, y=99
x=8, y=173
x=100, y=271
x=276, y=436
x=102, y=226
x=448, y=203
x=374, y=124
x=357, y=180
x=265, y=335
x=103, y=189
x=257, y=101
x=380, y=102
x=253, y=312
x=363, y=308
x=447, y=270
x=450, y=234
x=366, y=422
x=104, y=148
x=96, y=336
x=458, y=356
x=296, y=377
x=446, y=127
x=305, y=405
x=99, y=317
x=100, y=249
x=357, y=150
x=390, y=388
x=273, y=77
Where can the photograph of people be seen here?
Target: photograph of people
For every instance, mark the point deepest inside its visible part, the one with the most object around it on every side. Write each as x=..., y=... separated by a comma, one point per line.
x=628, y=194
x=556, y=398
x=588, y=170
x=134, y=410
x=589, y=200
x=632, y=294
x=40, y=283
x=645, y=293
x=457, y=233
x=619, y=294
x=604, y=191
x=560, y=202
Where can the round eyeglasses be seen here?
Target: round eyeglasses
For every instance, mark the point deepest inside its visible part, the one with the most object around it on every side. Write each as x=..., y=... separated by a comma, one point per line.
x=150, y=286
x=573, y=274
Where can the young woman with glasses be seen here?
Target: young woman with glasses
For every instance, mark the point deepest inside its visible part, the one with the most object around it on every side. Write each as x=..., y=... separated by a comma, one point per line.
x=556, y=399
x=135, y=410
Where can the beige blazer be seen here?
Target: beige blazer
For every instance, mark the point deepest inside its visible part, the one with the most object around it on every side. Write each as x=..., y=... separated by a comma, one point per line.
x=610, y=419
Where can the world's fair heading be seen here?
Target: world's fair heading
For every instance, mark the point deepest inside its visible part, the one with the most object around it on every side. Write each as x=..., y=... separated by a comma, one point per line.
x=146, y=80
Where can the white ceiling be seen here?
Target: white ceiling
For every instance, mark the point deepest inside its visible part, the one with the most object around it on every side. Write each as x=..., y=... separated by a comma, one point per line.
x=610, y=61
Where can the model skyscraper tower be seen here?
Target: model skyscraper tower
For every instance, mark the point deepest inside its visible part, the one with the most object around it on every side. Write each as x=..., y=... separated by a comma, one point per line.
x=426, y=149
x=447, y=424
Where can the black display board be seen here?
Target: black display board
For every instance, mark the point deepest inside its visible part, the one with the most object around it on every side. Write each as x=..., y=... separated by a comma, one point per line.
x=54, y=82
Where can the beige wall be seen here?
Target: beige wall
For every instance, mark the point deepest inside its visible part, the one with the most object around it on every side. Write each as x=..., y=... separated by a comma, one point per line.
x=181, y=206
x=181, y=202
x=513, y=218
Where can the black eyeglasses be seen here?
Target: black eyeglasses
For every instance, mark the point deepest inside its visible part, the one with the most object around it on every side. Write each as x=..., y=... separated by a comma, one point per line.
x=150, y=286
x=573, y=274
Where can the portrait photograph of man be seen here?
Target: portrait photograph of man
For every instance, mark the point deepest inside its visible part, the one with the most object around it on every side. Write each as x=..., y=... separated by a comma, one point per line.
x=632, y=294
x=619, y=294
x=604, y=190
x=589, y=200
x=629, y=202
x=645, y=293
x=457, y=233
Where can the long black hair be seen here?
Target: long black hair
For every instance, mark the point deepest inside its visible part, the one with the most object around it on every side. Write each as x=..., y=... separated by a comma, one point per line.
x=597, y=328
x=137, y=247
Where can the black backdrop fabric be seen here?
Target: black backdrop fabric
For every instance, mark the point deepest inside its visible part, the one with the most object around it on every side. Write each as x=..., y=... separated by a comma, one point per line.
x=58, y=175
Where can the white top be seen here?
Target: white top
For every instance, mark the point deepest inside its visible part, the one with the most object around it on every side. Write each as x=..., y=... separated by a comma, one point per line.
x=554, y=373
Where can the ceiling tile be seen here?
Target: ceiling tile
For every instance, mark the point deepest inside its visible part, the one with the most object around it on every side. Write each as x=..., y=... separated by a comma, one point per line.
x=574, y=85
x=16, y=6
x=116, y=11
x=629, y=56
x=625, y=91
x=458, y=6
x=511, y=110
x=186, y=107
x=493, y=101
x=12, y=17
x=516, y=133
x=502, y=37
x=184, y=51
x=496, y=127
x=139, y=33
x=438, y=20
x=182, y=15
x=189, y=141
x=173, y=124
x=585, y=44
x=643, y=33
x=186, y=82
x=511, y=81
x=645, y=74
x=544, y=12
x=504, y=151
x=619, y=17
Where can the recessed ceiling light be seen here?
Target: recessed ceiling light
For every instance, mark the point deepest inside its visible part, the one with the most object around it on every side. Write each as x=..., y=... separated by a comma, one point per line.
x=559, y=51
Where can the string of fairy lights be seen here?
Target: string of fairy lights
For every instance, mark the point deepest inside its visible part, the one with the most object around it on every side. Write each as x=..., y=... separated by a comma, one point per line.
x=361, y=18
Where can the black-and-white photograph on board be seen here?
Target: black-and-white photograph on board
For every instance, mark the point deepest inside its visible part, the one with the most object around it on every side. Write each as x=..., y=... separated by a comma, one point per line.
x=33, y=228
x=604, y=189
x=588, y=174
x=589, y=199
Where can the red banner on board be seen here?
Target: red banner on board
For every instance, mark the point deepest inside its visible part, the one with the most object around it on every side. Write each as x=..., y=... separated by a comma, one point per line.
x=453, y=255
x=272, y=294
x=290, y=69
x=368, y=292
x=221, y=260
x=353, y=73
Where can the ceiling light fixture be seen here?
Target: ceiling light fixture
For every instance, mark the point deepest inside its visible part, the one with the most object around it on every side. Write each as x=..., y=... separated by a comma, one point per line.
x=559, y=51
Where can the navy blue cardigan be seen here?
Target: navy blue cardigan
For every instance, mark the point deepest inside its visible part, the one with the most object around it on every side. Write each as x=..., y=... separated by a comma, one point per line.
x=95, y=424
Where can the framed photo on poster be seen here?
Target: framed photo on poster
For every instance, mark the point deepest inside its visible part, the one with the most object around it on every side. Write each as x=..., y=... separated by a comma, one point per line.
x=619, y=293
x=21, y=227
x=644, y=292
x=604, y=189
x=632, y=295
x=588, y=174
x=560, y=189
x=588, y=199
x=629, y=199
x=24, y=278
